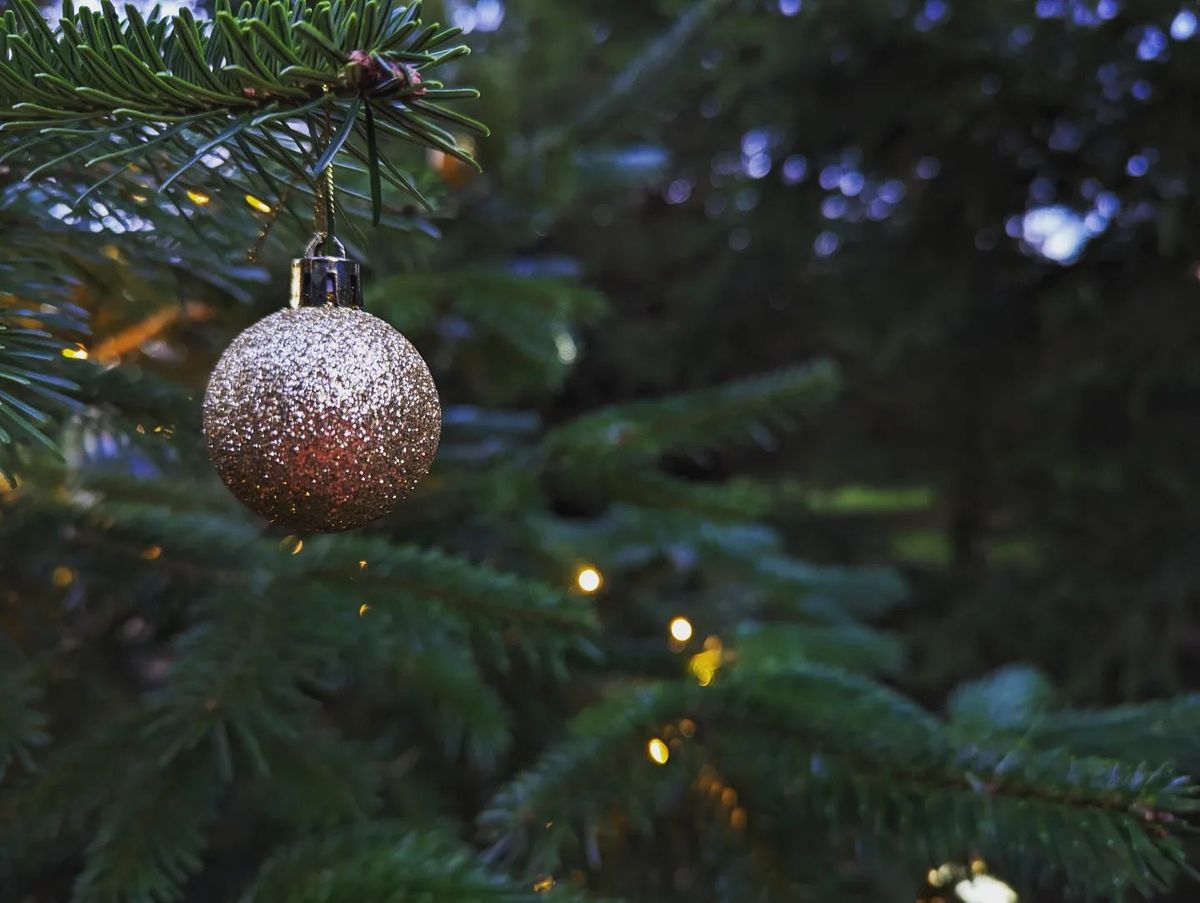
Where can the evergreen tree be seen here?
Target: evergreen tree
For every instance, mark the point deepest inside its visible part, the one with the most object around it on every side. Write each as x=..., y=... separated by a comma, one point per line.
x=602, y=652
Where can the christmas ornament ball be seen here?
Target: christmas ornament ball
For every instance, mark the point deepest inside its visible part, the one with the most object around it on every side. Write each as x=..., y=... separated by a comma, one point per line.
x=321, y=418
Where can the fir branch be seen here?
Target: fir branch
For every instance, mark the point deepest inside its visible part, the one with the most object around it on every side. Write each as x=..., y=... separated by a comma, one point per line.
x=476, y=592
x=108, y=91
x=527, y=320
x=235, y=680
x=30, y=377
x=1009, y=698
x=638, y=73
x=446, y=686
x=1019, y=699
x=1166, y=731
x=847, y=646
x=151, y=836
x=318, y=780
x=740, y=552
x=22, y=725
x=857, y=755
x=485, y=598
x=497, y=615
x=598, y=768
x=834, y=592
x=384, y=861
x=735, y=500
x=74, y=781
x=696, y=420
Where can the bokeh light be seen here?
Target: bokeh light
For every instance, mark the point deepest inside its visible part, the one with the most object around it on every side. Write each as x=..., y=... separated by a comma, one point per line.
x=589, y=579
x=681, y=629
x=658, y=751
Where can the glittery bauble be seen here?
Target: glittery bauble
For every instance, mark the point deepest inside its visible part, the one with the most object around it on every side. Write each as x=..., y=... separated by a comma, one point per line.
x=321, y=418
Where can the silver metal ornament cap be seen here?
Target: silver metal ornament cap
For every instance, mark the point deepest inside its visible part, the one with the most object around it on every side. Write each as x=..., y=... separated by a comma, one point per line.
x=319, y=280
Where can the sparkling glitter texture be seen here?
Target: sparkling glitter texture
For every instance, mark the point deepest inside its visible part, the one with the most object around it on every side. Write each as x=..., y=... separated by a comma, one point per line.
x=321, y=418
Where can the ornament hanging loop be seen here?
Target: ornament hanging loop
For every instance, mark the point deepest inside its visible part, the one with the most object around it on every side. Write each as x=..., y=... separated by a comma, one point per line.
x=319, y=280
x=320, y=241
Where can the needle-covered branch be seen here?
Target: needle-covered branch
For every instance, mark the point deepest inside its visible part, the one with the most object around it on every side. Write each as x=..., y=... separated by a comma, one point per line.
x=382, y=861
x=697, y=420
x=30, y=358
x=863, y=762
x=277, y=91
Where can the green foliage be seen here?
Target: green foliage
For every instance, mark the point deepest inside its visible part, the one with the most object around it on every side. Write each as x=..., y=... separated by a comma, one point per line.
x=858, y=756
x=30, y=379
x=239, y=704
x=526, y=320
x=22, y=725
x=197, y=707
x=698, y=420
x=282, y=90
x=1012, y=697
x=384, y=862
x=1019, y=699
x=1154, y=731
x=149, y=840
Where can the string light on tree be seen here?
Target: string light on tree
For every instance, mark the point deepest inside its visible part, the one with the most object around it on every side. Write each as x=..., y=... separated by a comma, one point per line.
x=658, y=751
x=257, y=204
x=985, y=889
x=704, y=665
x=971, y=884
x=680, y=628
x=588, y=579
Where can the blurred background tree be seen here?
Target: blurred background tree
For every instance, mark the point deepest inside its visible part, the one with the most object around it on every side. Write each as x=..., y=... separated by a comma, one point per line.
x=955, y=237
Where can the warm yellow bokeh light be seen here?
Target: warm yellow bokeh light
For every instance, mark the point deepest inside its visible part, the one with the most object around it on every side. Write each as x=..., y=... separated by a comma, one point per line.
x=291, y=543
x=363, y=609
x=76, y=353
x=62, y=576
x=985, y=889
x=544, y=885
x=681, y=629
x=198, y=197
x=658, y=751
x=943, y=874
x=256, y=203
x=704, y=665
x=151, y=552
x=589, y=579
